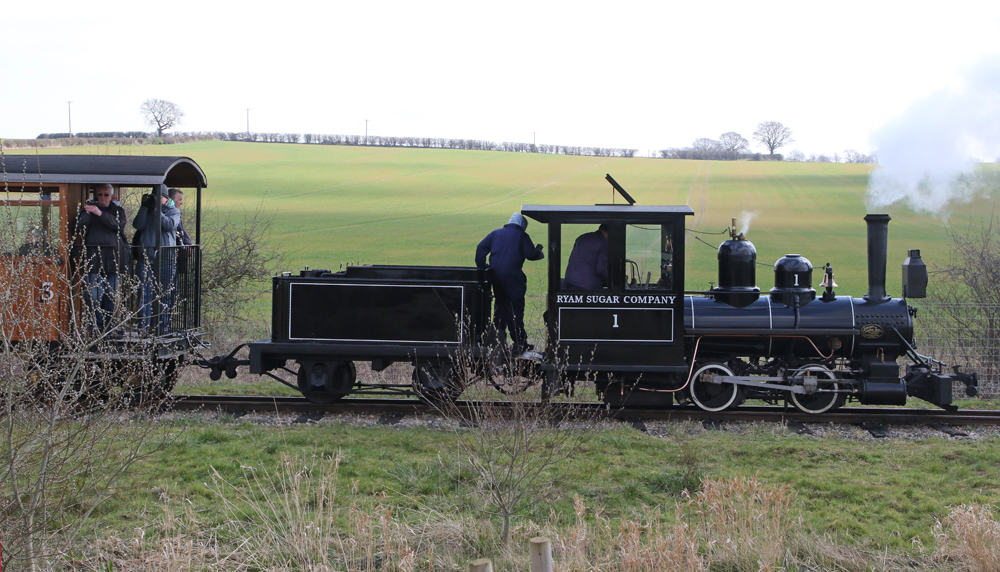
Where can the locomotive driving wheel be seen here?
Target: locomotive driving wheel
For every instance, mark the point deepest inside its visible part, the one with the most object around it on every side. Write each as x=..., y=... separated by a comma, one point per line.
x=712, y=396
x=821, y=401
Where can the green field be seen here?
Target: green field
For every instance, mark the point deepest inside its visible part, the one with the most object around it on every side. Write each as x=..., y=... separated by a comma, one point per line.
x=340, y=204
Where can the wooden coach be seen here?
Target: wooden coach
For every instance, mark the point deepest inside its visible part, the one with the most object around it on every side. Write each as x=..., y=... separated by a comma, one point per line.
x=41, y=199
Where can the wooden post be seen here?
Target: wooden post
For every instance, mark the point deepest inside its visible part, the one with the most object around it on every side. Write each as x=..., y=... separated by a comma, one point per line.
x=541, y=554
x=481, y=565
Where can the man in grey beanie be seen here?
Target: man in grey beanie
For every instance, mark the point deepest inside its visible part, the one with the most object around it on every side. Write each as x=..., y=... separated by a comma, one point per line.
x=508, y=248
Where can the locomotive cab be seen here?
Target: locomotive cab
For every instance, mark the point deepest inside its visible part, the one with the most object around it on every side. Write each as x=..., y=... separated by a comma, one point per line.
x=630, y=330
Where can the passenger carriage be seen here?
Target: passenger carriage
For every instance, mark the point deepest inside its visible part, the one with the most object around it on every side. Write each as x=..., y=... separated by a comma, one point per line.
x=41, y=199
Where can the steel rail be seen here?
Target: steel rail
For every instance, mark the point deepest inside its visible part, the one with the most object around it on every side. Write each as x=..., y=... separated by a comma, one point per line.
x=844, y=415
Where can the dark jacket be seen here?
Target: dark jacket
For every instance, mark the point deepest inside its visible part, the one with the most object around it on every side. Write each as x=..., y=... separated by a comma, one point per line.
x=183, y=238
x=145, y=220
x=106, y=246
x=587, y=268
x=508, y=248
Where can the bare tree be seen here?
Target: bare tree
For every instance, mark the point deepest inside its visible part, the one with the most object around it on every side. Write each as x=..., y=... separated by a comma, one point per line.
x=161, y=114
x=852, y=156
x=773, y=135
x=733, y=141
x=967, y=299
x=706, y=144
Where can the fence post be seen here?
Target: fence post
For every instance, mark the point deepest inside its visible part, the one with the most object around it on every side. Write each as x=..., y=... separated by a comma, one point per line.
x=481, y=565
x=541, y=554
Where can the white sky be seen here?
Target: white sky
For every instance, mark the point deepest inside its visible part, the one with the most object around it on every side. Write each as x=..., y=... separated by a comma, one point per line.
x=646, y=75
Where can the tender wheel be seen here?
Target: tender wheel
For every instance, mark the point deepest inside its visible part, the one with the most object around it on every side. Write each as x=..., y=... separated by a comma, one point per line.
x=509, y=375
x=436, y=384
x=713, y=396
x=818, y=402
x=324, y=382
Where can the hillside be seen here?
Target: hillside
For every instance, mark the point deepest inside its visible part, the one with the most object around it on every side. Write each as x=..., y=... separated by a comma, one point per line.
x=334, y=204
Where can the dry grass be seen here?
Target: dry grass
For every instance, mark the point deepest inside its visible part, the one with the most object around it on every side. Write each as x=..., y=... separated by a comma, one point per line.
x=634, y=545
x=970, y=536
x=742, y=523
x=289, y=519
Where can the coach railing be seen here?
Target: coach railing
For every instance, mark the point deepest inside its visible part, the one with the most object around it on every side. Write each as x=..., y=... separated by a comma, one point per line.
x=142, y=303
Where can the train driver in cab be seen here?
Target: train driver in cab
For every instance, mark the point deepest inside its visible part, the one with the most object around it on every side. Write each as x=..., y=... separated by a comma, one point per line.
x=508, y=248
x=587, y=268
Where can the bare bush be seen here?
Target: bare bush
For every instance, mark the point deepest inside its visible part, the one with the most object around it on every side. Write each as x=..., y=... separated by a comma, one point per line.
x=965, y=300
x=238, y=260
x=65, y=393
x=510, y=446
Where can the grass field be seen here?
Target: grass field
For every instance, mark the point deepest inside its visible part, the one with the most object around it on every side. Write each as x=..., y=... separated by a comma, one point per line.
x=339, y=204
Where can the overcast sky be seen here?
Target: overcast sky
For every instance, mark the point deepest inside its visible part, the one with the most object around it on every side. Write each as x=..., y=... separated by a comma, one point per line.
x=645, y=75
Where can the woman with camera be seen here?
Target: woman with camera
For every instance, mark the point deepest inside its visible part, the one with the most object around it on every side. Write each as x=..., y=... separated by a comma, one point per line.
x=157, y=228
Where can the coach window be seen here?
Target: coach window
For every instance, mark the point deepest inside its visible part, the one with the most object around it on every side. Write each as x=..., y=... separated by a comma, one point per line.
x=32, y=221
x=649, y=256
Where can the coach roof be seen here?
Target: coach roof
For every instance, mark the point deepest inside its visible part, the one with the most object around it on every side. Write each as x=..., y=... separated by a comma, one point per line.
x=122, y=170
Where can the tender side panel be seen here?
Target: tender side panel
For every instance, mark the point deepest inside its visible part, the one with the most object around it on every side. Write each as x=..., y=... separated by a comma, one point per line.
x=401, y=313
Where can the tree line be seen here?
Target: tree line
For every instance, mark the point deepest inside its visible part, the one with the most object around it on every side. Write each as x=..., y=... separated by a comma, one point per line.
x=423, y=142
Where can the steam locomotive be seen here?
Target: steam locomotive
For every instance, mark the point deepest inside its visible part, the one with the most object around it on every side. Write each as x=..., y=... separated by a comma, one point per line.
x=643, y=341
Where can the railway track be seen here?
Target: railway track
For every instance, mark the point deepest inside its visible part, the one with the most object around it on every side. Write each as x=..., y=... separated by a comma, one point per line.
x=873, y=417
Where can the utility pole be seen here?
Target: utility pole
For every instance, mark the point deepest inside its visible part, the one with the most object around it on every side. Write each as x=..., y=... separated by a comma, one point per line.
x=533, y=133
x=248, y=121
x=69, y=110
x=366, y=131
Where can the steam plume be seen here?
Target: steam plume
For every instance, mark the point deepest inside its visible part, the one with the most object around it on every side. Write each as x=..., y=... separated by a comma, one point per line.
x=926, y=155
x=746, y=217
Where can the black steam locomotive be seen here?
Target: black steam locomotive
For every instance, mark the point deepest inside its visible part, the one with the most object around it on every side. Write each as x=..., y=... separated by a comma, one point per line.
x=643, y=340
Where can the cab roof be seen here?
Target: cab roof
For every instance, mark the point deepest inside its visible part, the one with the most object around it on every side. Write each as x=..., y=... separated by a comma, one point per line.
x=603, y=213
x=125, y=170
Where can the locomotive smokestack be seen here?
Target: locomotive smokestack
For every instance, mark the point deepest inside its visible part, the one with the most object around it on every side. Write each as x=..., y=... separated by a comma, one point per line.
x=878, y=244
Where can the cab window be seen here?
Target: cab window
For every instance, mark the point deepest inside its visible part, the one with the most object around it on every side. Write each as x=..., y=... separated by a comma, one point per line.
x=649, y=256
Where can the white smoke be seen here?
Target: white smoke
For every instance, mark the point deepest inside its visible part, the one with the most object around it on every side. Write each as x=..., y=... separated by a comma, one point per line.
x=746, y=217
x=927, y=157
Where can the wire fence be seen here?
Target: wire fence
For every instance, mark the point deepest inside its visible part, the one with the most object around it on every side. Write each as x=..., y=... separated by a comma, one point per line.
x=963, y=334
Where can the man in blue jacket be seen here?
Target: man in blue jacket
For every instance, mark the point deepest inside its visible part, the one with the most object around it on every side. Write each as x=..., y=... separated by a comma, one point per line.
x=508, y=248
